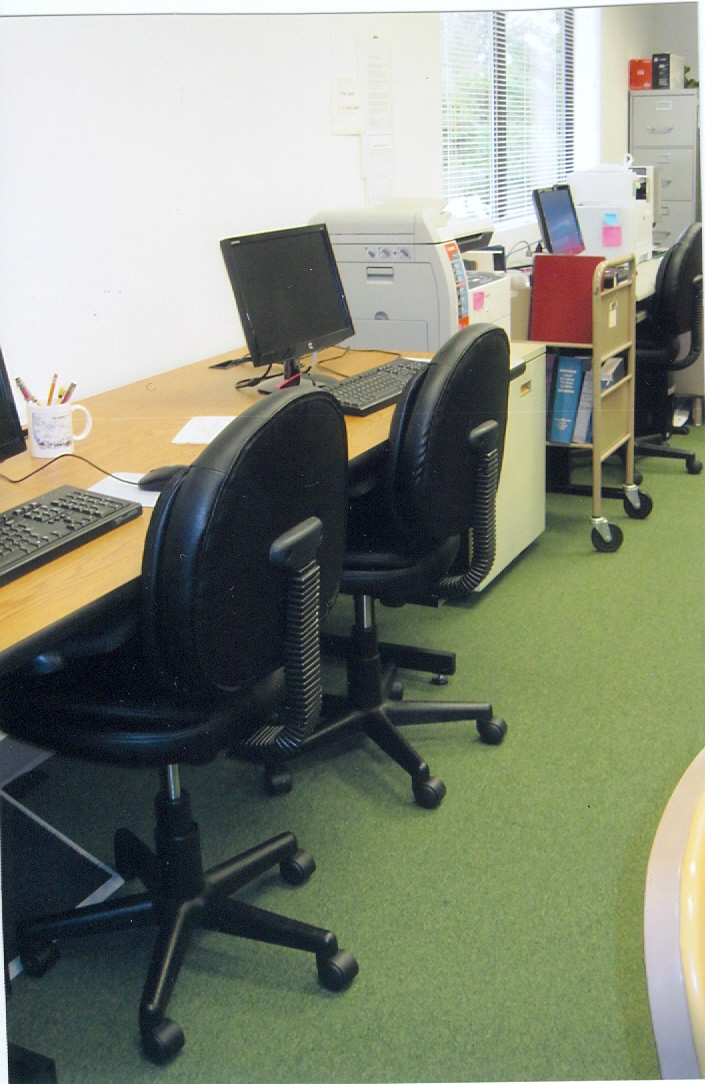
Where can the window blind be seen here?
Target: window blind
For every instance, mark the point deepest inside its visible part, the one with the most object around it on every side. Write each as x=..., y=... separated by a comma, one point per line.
x=507, y=105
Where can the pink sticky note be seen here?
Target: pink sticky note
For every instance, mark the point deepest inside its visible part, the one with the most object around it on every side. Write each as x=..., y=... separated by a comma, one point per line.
x=611, y=236
x=478, y=300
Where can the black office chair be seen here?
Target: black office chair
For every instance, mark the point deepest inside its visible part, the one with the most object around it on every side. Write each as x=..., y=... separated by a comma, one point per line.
x=674, y=310
x=231, y=593
x=412, y=503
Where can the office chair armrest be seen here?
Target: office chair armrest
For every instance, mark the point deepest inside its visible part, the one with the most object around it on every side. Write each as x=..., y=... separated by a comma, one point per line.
x=483, y=439
x=295, y=552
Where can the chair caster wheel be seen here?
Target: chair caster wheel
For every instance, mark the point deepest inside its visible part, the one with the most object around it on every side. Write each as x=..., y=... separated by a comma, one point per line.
x=693, y=466
x=396, y=691
x=277, y=781
x=37, y=960
x=492, y=733
x=429, y=793
x=439, y=679
x=162, y=1042
x=336, y=972
x=297, y=869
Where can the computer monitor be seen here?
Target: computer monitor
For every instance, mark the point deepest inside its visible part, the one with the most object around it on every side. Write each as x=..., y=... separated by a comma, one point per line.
x=12, y=440
x=558, y=221
x=289, y=294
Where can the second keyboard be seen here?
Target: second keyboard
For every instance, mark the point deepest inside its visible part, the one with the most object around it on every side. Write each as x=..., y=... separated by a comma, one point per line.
x=376, y=388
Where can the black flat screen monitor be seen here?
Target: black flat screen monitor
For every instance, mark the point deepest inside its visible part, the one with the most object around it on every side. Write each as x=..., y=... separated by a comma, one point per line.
x=558, y=221
x=12, y=440
x=288, y=292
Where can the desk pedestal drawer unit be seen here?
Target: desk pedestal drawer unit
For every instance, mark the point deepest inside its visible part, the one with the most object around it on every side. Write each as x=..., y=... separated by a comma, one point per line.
x=521, y=495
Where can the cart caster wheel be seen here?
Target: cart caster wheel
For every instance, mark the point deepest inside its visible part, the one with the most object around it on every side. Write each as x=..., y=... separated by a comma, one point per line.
x=396, y=691
x=429, y=793
x=693, y=466
x=277, y=781
x=607, y=547
x=336, y=972
x=37, y=960
x=162, y=1042
x=492, y=733
x=439, y=679
x=644, y=509
x=297, y=869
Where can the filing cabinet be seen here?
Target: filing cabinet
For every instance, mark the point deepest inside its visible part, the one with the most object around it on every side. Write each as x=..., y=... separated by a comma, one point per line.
x=663, y=132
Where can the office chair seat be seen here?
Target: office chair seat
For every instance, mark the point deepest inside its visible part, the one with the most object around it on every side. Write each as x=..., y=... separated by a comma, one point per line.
x=411, y=502
x=242, y=558
x=673, y=316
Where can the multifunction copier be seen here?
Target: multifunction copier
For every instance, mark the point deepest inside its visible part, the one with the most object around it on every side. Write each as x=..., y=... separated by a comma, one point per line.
x=412, y=272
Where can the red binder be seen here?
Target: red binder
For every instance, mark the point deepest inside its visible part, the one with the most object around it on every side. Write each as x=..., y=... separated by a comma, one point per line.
x=561, y=298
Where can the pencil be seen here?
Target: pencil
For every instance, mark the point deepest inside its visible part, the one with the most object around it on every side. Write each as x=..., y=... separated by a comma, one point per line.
x=26, y=393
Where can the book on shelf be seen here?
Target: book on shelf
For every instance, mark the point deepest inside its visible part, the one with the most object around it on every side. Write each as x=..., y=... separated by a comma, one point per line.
x=551, y=362
x=582, y=431
x=613, y=370
x=567, y=381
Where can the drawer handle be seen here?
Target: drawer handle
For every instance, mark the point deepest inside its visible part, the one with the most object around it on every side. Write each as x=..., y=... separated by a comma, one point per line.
x=665, y=181
x=660, y=131
x=525, y=388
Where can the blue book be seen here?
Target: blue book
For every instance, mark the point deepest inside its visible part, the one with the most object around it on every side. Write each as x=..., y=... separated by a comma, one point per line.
x=568, y=382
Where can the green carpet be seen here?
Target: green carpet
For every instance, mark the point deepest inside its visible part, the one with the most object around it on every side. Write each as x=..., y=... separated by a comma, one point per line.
x=499, y=937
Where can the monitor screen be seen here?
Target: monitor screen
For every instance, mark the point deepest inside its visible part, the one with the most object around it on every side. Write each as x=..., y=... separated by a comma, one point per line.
x=558, y=221
x=288, y=293
x=12, y=440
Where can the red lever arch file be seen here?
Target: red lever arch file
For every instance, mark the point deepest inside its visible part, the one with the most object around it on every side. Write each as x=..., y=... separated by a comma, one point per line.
x=561, y=298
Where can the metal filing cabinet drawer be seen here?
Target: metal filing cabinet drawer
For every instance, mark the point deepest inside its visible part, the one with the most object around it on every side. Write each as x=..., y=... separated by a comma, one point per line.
x=677, y=168
x=663, y=120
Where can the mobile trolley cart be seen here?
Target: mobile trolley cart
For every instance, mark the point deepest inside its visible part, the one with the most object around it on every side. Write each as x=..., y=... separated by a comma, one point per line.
x=613, y=336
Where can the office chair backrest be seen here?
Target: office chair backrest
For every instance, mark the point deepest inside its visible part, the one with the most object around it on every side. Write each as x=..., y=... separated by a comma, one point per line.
x=672, y=305
x=213, y=604
x=431, y=467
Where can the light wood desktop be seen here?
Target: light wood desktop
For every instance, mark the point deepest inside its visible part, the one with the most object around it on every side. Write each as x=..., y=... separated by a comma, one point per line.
x=133, y=429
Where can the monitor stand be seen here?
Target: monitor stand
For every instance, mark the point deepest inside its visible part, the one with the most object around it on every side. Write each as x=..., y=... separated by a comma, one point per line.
x=292, y=376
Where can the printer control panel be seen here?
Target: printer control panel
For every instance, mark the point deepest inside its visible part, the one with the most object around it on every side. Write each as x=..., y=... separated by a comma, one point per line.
x=389, y=252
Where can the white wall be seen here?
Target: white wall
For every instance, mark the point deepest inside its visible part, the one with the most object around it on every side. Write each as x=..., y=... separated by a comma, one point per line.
x=634, y=31
x=132, y=144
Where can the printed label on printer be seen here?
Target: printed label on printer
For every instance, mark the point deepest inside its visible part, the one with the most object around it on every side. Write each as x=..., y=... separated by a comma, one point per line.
x=461, y=282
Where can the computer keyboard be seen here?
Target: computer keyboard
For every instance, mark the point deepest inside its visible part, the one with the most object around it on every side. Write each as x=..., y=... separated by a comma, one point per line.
x=41, y=529
x=376, y=388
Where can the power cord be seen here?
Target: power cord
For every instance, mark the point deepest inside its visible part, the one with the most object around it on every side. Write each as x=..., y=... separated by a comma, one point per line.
x=67, y=455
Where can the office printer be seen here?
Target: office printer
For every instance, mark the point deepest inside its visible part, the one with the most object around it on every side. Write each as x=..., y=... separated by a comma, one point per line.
x=612, y=220
x=405, y=277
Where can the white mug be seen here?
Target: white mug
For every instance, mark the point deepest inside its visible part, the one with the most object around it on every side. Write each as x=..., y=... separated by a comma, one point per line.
x=50, y=429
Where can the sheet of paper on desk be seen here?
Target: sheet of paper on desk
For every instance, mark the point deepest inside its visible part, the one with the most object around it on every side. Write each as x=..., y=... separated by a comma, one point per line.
x=111, y=487
x=201, y=430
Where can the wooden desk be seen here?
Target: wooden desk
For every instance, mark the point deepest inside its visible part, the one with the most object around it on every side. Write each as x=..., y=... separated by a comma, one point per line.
x=133, y=429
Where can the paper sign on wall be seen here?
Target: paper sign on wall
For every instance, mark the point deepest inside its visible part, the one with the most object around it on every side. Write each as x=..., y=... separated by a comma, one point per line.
x=346, y=106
